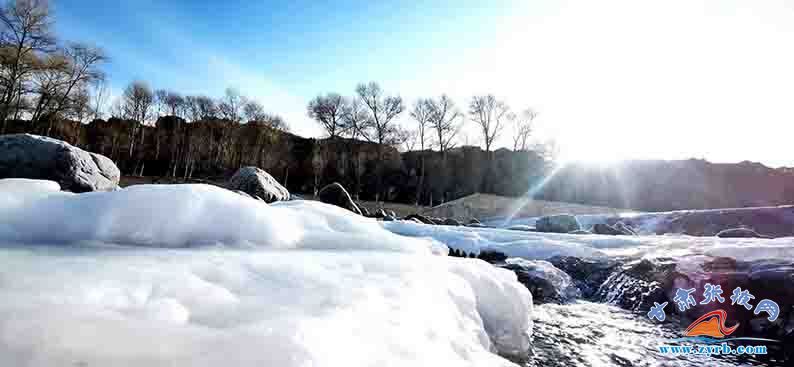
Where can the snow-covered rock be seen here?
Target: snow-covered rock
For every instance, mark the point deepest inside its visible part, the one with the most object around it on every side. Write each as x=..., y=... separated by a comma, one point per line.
x=335, y=194
x=196, y=275
x=258, y=184
x=561, y=223
x=39, y=157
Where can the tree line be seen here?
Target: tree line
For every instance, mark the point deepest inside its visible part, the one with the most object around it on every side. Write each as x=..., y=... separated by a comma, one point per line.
x=370, y=114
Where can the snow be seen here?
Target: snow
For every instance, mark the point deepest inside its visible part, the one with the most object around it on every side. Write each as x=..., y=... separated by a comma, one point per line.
x=542, y=246
x=196, y=275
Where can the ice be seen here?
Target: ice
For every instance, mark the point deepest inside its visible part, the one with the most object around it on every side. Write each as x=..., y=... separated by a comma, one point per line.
x=194, y=275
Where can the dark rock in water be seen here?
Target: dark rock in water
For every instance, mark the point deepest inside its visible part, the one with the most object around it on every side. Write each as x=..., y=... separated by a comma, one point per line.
x=561, y=223
x=546, y=282
x=335, y=194
x=42, y=158
x=420, y=218
x=364, y=210
x=638, y=285
x=521, y=227
x=739, y=233
x=388, y=218
x=491, y=256
x=258, y=184
x=581, y=231
x=450, y=222
x=392, y=213
x=474, y=221
x=588, y=275
x=380, y=213
x=606, y=229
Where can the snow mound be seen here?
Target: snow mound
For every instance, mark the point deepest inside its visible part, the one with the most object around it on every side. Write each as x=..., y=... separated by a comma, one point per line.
x=293, y=284
x=184, y=216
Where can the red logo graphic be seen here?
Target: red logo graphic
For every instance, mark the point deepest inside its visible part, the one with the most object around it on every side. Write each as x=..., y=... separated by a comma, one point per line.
x=711, y=324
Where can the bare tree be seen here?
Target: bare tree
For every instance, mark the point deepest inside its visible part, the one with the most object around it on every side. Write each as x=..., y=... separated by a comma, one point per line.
x=489, y=114
x=99, y=99
x=83, y=69
x=136, y=104
x=254, y=111
x=421, y=114
x=231, y=105
x=206, y=108
x=328, y=111
x=380, y=127
x=171, y=101
x=522, y=129
x=137, y=101
x=445, y=119
x=355, y=118
x=25, y=34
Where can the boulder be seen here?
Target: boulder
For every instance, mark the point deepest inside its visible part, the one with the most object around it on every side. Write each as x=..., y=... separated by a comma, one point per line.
x=546, y=282
x=258, y=184
x=450, y=222
x=335, y=194
x=364, y=211
x=561, y=223
x=740, y=233
x=43, y=158
x=606, y=229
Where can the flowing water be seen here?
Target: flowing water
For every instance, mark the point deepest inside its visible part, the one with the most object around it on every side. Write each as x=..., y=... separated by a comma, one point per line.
x=596, y=334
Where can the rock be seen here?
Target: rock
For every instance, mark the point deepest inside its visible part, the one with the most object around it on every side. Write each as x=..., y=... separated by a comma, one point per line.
x=364, y=211
x=420, y=218
x=380, y=213
x=561, y=223
x=740, y=233
x=491, y=256
x=521, y=227
x=588, y=274
x=476, y=225
x=392, y=214
x=581, y=231
x=258, y=184
x=43, y=158
x=546, y=282
x=389, y=218
x=474, y=221
x=335, y=194
x=450, y=222
x=606, y=229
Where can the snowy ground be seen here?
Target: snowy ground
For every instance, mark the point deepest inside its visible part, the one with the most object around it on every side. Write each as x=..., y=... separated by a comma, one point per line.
x=195, y=275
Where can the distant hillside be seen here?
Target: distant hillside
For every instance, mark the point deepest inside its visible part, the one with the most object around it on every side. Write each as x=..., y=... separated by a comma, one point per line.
x=672, y=185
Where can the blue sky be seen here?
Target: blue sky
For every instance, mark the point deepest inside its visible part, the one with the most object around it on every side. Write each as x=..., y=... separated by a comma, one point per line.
x=279, y=50
x=611, y=79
